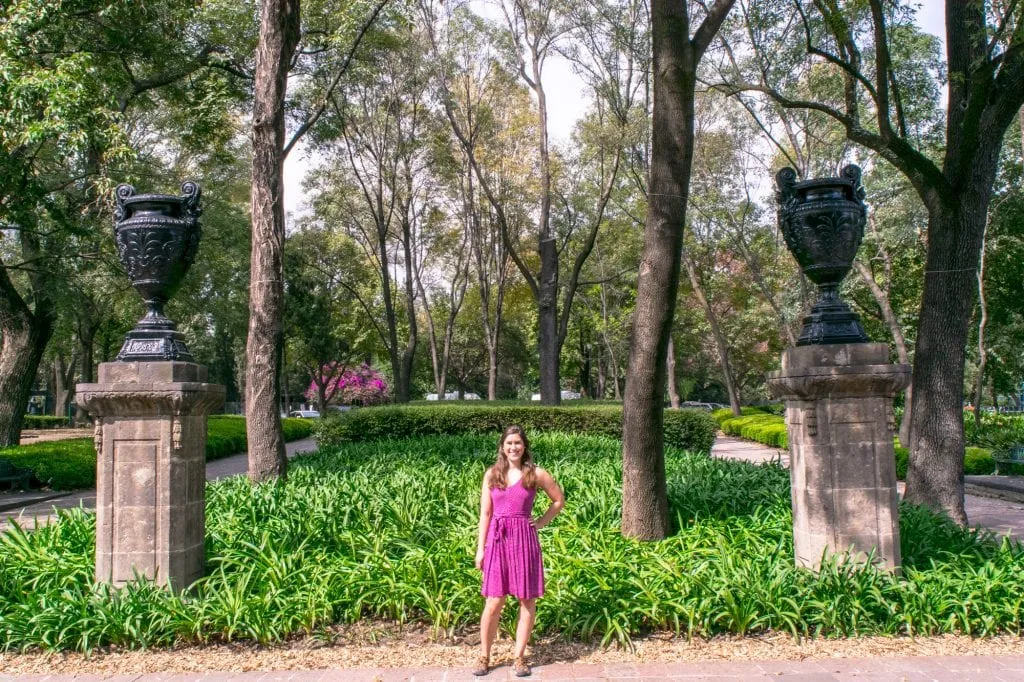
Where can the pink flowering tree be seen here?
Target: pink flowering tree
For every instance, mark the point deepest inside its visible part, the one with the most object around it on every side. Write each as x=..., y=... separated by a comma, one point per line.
x=361, y=385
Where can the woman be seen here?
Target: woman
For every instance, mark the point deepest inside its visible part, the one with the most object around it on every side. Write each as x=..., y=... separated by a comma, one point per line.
x=508, y=549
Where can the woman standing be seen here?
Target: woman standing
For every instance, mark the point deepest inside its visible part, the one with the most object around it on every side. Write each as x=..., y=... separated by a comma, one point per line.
x=508, y=549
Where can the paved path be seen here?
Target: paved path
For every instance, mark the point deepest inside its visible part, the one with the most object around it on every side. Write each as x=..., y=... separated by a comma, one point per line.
x=945, y=668
x=1001, y=516
x=36, y=507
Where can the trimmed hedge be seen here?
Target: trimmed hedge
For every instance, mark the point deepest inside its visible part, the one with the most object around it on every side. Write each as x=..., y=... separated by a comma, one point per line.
x=767, y=429
x=45, y=421
x=71, y=464
x=692, y=430
x=977, y=462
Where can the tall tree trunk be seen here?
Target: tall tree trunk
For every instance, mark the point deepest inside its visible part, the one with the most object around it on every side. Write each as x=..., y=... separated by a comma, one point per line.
x=670, y=370
x=25, y=334
x=279, y=35
x=935, y=474
x=721, y=344
x=63, y=374
x=409, y=353
x=547, y=302
x=676, y=58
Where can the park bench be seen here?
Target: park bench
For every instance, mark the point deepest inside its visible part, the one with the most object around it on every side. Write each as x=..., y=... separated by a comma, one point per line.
x=1010, y=456
x=14, y=474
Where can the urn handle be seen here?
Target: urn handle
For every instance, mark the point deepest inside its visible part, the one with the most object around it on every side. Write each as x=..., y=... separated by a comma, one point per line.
x=785, y=180
x=121, y=210
x=852, y=173
x=191, y=206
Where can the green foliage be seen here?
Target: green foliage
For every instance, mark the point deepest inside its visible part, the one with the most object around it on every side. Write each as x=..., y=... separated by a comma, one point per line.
x=686, y=429
x=43, y=421
x=725, y=413
x=997, y=431
x=978, y=461
x=767, y=429
x=902, y=460
x=386, y=529
x=58, y=464
x=71, y=464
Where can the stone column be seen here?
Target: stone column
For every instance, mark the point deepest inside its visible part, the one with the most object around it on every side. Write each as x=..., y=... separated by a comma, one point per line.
x=151, y=469
x=843, y=473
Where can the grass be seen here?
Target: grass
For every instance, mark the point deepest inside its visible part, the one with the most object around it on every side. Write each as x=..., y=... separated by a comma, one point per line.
x=387, y=530
x=71, y=464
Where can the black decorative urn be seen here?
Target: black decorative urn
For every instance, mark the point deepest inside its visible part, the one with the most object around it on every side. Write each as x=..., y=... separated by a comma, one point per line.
x=822, y=221
x=157, y=238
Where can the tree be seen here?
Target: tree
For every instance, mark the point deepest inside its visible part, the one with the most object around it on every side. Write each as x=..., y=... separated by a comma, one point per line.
x=279, y=36
x=863, y=50
x=676, y=57
x=280, y=32
x=71, y=74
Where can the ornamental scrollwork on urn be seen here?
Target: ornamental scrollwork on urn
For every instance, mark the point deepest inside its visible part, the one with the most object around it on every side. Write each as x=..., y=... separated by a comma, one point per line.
x=157, y=237
x=822, y=221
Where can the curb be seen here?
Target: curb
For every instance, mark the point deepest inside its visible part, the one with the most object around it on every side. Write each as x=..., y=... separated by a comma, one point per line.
x=28, y=502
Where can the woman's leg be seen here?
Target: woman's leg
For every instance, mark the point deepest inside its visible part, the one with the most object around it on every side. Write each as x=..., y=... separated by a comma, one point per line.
x=489, y=620
x=527, y=612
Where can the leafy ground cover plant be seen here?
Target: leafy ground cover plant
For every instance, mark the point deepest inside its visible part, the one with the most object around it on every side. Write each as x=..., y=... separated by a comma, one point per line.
x=685, y=429
x=387, y=530
x=71, y=464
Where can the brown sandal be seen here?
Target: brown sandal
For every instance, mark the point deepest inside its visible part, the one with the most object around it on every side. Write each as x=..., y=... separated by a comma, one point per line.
x=483, y=666
x=520, y=667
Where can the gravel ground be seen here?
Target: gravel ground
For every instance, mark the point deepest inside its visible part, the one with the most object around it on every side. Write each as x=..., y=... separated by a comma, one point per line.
x=385, y=646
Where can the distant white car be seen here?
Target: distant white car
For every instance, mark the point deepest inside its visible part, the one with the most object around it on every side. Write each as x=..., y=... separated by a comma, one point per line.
x=304, y=414
x=431, y=396
x=453, y=395
x=566, y=395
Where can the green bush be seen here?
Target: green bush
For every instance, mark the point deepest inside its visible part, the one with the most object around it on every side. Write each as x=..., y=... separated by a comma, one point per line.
x=386, y=531
x=725, y=413
x=978, y=462
x=685, y=429
x=767, y=429
x=58, y=464
x=71, y=464
x=45, y=421
x=902, y=459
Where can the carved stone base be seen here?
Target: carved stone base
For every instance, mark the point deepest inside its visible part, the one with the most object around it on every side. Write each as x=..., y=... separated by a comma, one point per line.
x=151, y=469
x=842, y=473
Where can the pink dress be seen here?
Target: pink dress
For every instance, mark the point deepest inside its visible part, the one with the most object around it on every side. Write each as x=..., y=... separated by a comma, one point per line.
x=512, y=560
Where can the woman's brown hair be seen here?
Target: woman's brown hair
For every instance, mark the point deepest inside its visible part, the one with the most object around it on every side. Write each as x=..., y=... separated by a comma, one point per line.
x=499, y=472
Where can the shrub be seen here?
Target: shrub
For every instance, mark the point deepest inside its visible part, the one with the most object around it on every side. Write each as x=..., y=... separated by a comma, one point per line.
x=58, y=464
x=71, y=464
x=725, y=413
x=360, y=386
x=767, y=429
x=978, y=462
x=45, y=421
x=685, y=429
x=902, y=459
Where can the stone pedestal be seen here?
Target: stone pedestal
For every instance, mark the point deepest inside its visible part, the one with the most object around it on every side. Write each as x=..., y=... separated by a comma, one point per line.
x=151, y=469
x=843, y=474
